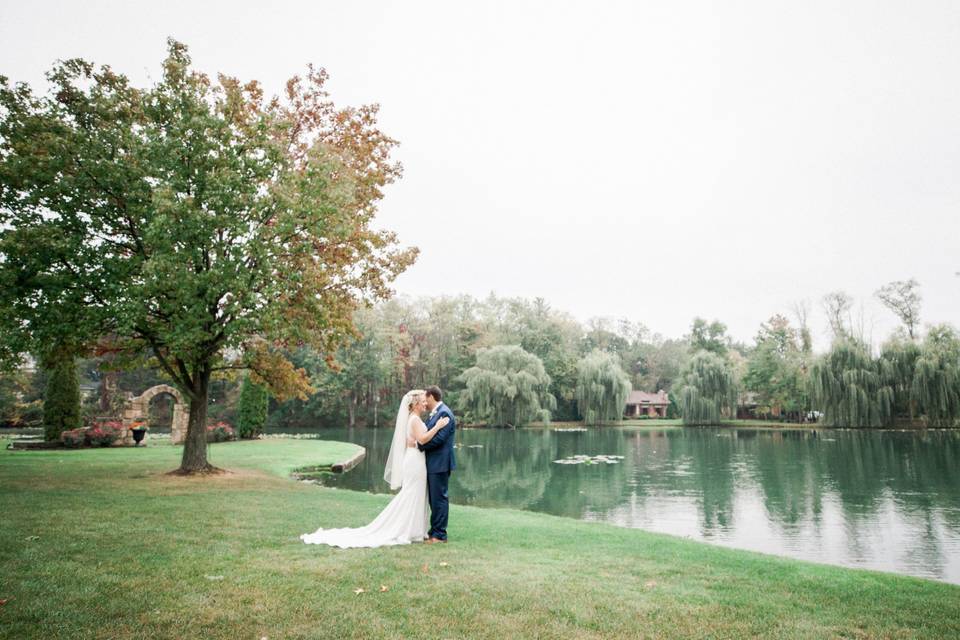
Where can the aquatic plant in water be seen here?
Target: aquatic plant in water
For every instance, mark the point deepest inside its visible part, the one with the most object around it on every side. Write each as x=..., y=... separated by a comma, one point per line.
x=583, y=459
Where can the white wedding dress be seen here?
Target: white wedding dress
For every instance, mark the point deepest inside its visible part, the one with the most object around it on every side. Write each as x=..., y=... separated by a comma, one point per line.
x=406, y=518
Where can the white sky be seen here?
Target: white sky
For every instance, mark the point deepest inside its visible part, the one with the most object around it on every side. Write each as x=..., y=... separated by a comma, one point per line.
x=647, y=160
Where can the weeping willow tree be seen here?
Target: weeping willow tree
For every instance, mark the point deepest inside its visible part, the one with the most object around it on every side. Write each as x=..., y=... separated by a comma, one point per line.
x=898, y=362
x=602, y=388
x=706, y=388
x=936, y=378
x=852, y=388
x=508, y=387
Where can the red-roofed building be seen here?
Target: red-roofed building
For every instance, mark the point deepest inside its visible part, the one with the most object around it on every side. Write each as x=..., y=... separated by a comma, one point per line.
x=641, y=403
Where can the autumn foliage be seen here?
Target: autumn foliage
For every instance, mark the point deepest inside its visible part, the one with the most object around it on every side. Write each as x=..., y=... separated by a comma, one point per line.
x=195, y=219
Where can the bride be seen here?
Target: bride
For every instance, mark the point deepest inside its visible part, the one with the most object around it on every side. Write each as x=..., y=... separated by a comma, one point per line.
x=405, y=519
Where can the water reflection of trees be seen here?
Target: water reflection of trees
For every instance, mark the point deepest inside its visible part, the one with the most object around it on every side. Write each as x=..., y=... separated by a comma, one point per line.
x=918, y=469
x=792, y=470
x=864, y=470
x=508, y=469
x=686, y=462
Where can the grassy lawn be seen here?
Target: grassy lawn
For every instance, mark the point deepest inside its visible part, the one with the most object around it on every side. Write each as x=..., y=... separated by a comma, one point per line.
x=101, y=544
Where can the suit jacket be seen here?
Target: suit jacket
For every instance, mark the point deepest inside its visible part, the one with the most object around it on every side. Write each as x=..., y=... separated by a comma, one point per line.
x=439, y=451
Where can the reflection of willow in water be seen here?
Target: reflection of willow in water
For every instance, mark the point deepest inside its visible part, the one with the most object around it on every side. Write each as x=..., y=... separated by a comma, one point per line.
x=507, y=470
x=787, y=470
x=795, y=470
x=686, y=462
x=918, y=469
x=909, y=477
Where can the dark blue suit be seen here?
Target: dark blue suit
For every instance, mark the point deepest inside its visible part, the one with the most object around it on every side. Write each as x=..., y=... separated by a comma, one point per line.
x=440, y=462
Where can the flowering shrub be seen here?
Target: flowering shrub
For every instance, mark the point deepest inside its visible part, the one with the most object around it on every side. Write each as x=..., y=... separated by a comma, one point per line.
x=74, y=438
x=104, y=434
x=220, y=432
x=101, y=434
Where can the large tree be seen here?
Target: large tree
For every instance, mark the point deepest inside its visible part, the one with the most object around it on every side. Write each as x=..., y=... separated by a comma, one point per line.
x=936, y=380
x=507, y=387
x=898, y=362
x=709, y=336
x=658, y=363
x=775, y=368
x=193, y=218
x=602, y=387
x=836, y=306
x=706, y=389
x=902, y=297
x=851, y=387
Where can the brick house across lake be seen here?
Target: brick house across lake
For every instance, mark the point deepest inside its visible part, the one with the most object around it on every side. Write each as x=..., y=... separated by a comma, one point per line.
x=641, y=403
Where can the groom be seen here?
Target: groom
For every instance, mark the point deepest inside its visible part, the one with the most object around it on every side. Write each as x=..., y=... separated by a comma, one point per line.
x=440, y=462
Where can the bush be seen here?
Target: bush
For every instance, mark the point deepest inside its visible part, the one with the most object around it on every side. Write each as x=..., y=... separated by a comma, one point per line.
x=252, y=409
x=103, y=435
x=220, y=432
x=74, y=438
x=61, y=407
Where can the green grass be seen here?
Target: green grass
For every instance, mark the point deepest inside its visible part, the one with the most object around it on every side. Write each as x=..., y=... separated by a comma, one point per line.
x=124, y=551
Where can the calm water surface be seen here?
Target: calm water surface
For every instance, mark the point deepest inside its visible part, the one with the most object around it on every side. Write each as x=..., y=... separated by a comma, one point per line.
x=885, y=500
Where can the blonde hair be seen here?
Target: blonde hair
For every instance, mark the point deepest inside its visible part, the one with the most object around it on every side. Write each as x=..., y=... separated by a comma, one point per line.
x=415, y=396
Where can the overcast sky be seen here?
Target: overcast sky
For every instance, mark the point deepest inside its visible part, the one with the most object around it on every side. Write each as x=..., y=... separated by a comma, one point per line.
x=646, y=160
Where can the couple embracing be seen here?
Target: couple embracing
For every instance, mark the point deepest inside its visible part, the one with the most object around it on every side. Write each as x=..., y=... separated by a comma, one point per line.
x=419, y=464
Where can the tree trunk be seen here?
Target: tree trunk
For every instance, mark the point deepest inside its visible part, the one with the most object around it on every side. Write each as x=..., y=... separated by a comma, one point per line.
x=195, y=445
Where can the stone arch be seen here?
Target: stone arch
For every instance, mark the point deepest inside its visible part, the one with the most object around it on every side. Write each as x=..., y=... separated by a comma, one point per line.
x=138, y=407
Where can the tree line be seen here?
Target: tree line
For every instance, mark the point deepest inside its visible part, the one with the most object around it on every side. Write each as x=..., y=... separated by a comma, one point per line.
x=513, y=361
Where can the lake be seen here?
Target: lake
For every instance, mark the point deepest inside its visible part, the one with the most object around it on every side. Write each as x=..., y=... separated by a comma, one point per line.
x=887, y=500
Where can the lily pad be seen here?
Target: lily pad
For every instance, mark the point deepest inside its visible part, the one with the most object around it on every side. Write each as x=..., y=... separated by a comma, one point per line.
x=585, y=459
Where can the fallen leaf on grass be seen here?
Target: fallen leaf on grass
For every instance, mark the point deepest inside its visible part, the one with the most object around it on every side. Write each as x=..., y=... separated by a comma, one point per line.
x=359, y=590
x=425, y=568
x=213, y=577
x=384, y=588
x=32, y=538
x=650, y=584
x=4, y=601
x=444, y=564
